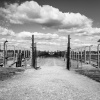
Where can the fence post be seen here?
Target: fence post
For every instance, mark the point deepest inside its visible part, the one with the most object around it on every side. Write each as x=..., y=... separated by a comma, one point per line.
x=0, y=46
x=77, y=58
x=73, y=55
x=85, y=55
x=64, y=55
x=35, y=50
x=24, y=56
x=68, y=54
x=98, y=55
x=28, y=53
x=81, y=57
x=90, y=54
x=6, y=53
x=4, y=59
x=14, y=54
x=33, y=54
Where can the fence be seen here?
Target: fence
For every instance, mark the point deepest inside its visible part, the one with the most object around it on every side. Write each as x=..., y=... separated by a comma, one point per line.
x=11, y=54
x=1, y=54
x=88, y=54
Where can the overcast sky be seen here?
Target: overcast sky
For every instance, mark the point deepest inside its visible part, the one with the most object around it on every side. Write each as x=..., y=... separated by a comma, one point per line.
x=50, y=21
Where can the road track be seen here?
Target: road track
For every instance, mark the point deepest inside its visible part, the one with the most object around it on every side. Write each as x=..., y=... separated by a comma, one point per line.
x=51, y=82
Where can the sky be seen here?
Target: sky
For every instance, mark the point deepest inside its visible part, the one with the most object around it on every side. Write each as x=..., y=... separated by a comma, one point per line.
x=50, y=21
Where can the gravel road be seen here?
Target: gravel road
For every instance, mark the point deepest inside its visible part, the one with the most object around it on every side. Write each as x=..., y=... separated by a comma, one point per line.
x=51, y=82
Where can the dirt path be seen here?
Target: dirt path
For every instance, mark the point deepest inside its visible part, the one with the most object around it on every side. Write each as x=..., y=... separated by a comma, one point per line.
x=51, y=82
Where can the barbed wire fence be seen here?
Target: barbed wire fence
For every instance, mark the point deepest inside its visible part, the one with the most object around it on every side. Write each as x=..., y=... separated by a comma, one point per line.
x=85, y=55
x=13, y=56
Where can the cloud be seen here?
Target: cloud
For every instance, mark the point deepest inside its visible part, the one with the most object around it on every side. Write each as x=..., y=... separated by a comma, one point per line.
x=48, y=43
x=24, y=37
x=93, y=38
x=42, y=38
x=2, y=40
x=43, y=28
x=6, y=32
x=39, y=36
x=77, y=40
x=87, y=31
x=80, y=44
x=31, y=11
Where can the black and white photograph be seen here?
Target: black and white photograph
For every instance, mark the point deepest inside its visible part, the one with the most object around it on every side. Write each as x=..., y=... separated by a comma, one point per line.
x=49, y=49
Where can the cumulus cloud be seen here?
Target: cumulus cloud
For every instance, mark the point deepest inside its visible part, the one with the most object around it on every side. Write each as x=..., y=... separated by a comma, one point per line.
x=31, y=11
x=40, y=36
x=87, y=31
x=47, y=16
x=25, y=37
x=6, y=32
x=80, y=44
x=48, y=43
x=93, y=38
x=76, y=40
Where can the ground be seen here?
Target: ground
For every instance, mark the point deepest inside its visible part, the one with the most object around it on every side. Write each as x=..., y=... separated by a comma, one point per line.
x=51, y=82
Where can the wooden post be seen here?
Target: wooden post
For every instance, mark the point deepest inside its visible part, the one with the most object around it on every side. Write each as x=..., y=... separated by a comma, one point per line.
x=68, y=54
x=4, y=59
x=64, y=55
x=33, y=54
x=6, y=53
x=71, y=54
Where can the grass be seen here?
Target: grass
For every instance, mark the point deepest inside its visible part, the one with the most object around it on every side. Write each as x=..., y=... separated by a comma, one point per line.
x=6, y=73
x=87, y=70
x=91, y=73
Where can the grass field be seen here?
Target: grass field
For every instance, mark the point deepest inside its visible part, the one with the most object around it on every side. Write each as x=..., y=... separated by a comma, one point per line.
x=86, y=70
x=5, y=73
x=91, y=73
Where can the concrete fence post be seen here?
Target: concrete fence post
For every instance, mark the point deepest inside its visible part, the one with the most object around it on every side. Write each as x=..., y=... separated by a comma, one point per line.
x=85, y=55
x=81, y=56
x=14, y=54
x=90, y=54
x=77, y=58
x=98, y=55
x=74, y=54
